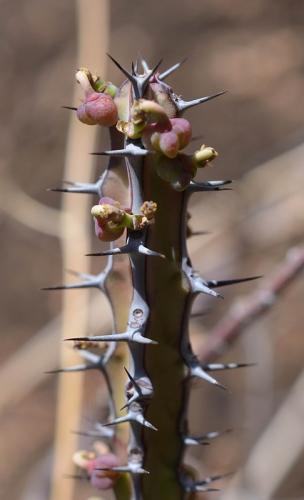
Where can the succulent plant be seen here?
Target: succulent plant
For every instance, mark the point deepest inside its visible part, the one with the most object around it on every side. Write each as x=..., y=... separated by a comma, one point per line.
x=149, y=135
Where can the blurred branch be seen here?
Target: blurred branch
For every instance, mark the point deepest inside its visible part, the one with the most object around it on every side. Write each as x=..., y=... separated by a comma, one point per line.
x=245, y=311
x=275, y=453
x=20, y=374
x=25, y=209
x=93, y=38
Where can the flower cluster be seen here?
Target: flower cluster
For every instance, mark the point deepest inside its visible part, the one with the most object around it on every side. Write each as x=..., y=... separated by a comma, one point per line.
x=161, y=135
x=111, y=219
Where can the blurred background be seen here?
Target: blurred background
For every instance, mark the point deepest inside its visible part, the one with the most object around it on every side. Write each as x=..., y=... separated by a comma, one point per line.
x=255, y=51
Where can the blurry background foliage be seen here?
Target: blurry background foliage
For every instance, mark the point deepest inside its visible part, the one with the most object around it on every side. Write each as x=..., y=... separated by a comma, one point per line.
x=255, y=51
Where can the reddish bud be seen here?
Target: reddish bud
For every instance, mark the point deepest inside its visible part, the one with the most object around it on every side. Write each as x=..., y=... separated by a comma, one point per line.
x=182, y=128
x=169, y=138
x=98, y=109
x=108, y=217
x=103, y=479
x=169, y=144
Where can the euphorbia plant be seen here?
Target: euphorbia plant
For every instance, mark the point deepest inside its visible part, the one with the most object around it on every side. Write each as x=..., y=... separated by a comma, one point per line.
x=149, y=133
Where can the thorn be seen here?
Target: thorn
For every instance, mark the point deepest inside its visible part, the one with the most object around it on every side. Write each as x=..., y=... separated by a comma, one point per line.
x=146, y=251
x=112, y=251
x=83, y=187
x=132, y=416
x=134, y=68
x=184, y=105
x=79, y=274
x=76, y=476
x=211, y=479
x=122, y=69
x=139, y=82
x=215, y=283
x=197, y=371
x=196, y=488
x=208, y=186
x=71, y=369
x=199, y=286
x=216, y=434
x=202, y=489
x=205, y=438
x=129, y=150
x=213, y=367
x=77, y=187
x=130, y=469
x=199, y=233
x=85, y=284
x=144, y=65
x=93, y=434
x=141, y=392
x=153, y=70
x=133, y=381
x=116, y=337
x=72, y=108
x=188, y=441
x=134, y=398
x=90, y=281
x=134, y=247
x=171, y=70
x=103, y=432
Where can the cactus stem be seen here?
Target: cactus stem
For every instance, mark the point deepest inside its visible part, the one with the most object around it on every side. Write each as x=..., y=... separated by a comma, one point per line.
x=184, y=105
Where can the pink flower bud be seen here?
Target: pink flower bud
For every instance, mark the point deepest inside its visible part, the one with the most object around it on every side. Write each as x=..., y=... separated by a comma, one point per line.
x=108, y=216
x=98, y=108
x=168, y=138
x=182, y=128
x=169, y=144
x=103, y=479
